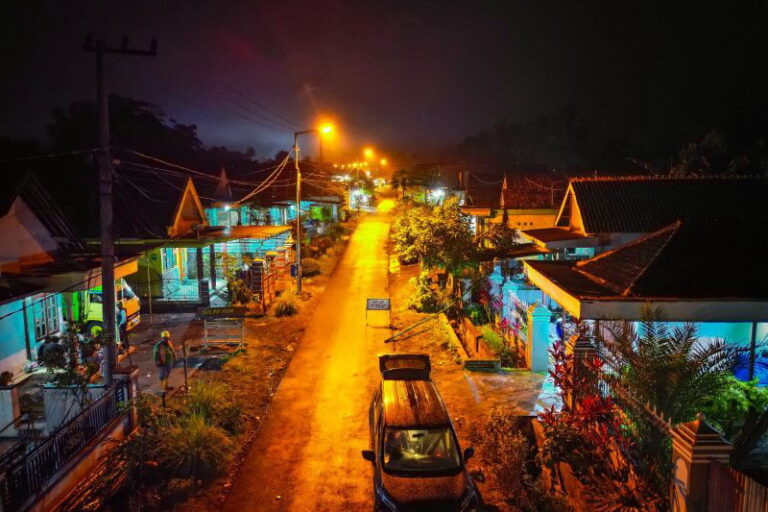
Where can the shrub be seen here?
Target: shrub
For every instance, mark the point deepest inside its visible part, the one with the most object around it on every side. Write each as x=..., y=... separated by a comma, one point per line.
x=730, y=409
x=286, y=304
x=424, y=299
x=336, y=231
x=511, y=457
x=197, y=449
x=310, y=267
x=476, y=313
x=492, y=338
x=211, y=400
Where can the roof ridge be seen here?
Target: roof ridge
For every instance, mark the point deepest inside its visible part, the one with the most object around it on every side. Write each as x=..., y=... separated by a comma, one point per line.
x=663, y=177
x=624, y=291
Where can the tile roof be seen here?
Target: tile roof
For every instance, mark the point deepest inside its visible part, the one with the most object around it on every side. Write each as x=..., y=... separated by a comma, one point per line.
x=647, y=203
x=681, y=261
x=535, y=191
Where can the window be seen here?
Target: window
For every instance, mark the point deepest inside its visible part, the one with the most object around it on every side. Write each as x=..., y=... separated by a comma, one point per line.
x=420, y=450
x=45, y=312
x=168, y=255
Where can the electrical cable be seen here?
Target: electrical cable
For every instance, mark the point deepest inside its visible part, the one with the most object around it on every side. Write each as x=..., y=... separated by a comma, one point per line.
x=49, y=155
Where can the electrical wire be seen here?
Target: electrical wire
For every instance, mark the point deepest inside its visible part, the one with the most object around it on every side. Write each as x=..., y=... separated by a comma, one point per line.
x=267, y=181
x=49, y=155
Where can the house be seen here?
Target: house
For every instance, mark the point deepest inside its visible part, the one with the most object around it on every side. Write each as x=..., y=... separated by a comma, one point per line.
x=45, y=271
x=598, y=214
x=321, y=200
x=674, y=269
x=523, y=202
x=186, y=261
x=686, y=246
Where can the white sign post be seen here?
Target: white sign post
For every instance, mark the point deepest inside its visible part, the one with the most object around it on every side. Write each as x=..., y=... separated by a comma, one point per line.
x=378, y=305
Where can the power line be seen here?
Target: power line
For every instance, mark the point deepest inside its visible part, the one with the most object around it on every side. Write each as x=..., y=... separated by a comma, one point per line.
x=49, y=155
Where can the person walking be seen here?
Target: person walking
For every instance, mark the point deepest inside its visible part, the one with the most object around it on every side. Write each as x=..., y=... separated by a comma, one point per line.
x=165, y=355
x=122, y=325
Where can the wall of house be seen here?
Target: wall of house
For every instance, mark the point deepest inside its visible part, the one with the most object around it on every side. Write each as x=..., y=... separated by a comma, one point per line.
x=526, y=219
x=150, y=260
x=24, y=237
x=14, y=330
x=13, y=352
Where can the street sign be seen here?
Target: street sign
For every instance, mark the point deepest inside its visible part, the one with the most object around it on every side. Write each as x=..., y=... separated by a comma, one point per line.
x=377, y=305
x=229, y=312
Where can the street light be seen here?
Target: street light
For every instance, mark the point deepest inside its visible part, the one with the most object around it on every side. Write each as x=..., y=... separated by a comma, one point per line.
x=368, y=153
x=323, y=129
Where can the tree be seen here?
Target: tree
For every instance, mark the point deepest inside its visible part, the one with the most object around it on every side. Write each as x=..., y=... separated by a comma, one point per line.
x=438, y=236
x=670, y=369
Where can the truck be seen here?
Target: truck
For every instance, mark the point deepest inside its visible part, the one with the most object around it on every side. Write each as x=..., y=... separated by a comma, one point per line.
x=92, y=312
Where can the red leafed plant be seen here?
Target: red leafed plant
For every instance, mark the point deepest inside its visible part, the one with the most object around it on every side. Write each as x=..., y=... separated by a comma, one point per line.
x=592, y=437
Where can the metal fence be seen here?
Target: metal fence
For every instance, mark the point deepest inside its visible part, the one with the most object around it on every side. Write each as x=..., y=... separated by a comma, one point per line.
x=29, y=473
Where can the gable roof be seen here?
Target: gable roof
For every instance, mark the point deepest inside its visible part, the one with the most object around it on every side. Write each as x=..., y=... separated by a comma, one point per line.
x=680, y=261
x=26, y=186
x=532, y=192
x=638, y=204
x=145, y=205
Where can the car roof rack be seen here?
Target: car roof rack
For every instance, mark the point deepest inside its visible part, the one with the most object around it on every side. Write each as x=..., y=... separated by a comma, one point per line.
x=405, y=366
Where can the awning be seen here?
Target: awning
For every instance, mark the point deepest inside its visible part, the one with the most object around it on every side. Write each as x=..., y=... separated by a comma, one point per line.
x=560, y=238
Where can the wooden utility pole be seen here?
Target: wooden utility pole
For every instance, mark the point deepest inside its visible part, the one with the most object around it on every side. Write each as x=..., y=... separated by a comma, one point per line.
x=104, y=163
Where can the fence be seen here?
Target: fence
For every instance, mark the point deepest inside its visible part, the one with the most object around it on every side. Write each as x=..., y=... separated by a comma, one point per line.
x=733, y=491
x=30, y=473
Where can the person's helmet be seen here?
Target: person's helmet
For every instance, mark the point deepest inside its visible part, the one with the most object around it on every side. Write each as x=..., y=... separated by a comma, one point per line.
x=165, y=334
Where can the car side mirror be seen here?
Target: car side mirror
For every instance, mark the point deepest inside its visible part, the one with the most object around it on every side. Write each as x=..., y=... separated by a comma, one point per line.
x=369, y=455
x=468, y=453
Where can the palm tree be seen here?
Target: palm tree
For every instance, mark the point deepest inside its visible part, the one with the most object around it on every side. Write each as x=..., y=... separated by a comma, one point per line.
x=668, y=369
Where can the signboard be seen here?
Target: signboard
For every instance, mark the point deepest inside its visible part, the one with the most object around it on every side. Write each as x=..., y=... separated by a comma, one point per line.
x=377, y=305
x=229, y=312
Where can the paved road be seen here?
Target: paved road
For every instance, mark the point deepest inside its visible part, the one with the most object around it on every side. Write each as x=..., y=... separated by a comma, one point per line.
x=307, y=454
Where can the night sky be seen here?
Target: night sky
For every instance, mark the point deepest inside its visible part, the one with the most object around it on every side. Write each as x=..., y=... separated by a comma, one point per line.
x=406, y=76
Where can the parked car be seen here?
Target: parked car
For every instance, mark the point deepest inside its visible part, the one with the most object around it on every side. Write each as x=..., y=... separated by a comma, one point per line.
x=414, y=449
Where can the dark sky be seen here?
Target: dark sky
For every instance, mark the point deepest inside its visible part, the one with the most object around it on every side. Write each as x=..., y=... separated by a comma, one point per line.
x=400, y=75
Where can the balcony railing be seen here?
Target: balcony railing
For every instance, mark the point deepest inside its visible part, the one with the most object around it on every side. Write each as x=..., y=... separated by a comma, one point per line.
x=29, y=473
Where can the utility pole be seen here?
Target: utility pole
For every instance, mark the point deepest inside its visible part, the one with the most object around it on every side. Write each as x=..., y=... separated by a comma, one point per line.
x=104, y=163
x=298, y=210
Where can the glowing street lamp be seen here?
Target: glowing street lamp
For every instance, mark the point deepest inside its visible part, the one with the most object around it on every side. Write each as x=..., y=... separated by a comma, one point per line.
x=383, y=162
x=368, y=153
x=325, y=129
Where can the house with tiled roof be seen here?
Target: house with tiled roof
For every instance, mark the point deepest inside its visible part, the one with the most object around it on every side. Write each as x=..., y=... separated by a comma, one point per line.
x=45, y=270
x=707, y=273
x=688, y=246
x=525, y=202
x=597, y=214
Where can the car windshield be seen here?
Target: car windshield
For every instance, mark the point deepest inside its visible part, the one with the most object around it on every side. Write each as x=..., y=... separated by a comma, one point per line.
x=420, y=450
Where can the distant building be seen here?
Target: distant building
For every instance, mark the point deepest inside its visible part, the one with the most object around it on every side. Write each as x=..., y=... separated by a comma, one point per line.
x=526, y=202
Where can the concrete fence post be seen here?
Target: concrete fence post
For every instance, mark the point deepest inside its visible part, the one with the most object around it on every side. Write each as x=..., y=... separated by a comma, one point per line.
x=537, y=350
x=695, y=446
x=584, y=351
x=129, y=377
